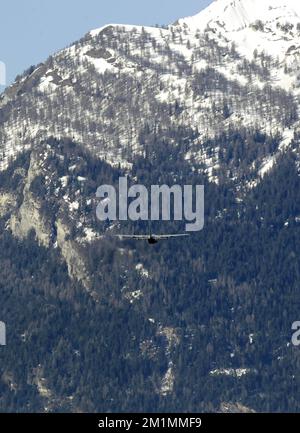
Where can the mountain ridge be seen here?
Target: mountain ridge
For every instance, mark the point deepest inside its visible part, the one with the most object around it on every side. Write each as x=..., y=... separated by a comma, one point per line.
x=102, y=325
x=202, y=81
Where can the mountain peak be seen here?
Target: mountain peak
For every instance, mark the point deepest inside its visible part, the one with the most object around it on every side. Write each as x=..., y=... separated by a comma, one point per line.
x=213, y=72
x=234, y=15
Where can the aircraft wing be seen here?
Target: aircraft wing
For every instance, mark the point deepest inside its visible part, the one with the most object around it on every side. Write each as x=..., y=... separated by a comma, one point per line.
x=147, y=237
x=162, y=237
x=137, y=237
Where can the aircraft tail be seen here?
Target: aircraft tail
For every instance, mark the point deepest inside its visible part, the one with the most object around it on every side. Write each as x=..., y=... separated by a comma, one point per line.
x=150, y=228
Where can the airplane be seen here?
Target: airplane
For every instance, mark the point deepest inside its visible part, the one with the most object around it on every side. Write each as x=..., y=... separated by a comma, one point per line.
x=152, y=239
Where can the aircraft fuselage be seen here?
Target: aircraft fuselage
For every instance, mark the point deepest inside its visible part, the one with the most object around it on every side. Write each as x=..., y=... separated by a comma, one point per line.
x=152, y=241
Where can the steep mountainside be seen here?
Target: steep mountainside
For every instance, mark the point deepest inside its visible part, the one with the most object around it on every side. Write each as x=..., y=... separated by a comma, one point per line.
x=95, y=324
x=234, y=65
x=99, y=325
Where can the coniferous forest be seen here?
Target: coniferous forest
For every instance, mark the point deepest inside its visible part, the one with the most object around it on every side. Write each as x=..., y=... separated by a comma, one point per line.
x=224, y=299
x=103, y=323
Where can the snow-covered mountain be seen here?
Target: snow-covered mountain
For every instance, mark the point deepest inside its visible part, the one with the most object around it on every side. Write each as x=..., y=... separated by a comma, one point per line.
x=237, y=15
x=239, y=21
x=196, y=326
x=234, y=65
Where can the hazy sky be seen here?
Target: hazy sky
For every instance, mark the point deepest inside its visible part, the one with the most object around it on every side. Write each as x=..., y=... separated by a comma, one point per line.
x=31, y=30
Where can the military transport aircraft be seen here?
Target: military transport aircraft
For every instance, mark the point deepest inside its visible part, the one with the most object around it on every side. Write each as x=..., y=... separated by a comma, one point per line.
x=152, y=239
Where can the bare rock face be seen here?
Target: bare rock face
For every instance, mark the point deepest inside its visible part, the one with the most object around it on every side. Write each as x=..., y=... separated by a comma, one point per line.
x=49, y=227
x=28, y=216
x=70, y=252
x=7, y=203
x=235, y=408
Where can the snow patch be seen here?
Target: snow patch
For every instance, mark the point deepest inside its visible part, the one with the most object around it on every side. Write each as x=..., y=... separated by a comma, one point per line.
x=236, y=372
